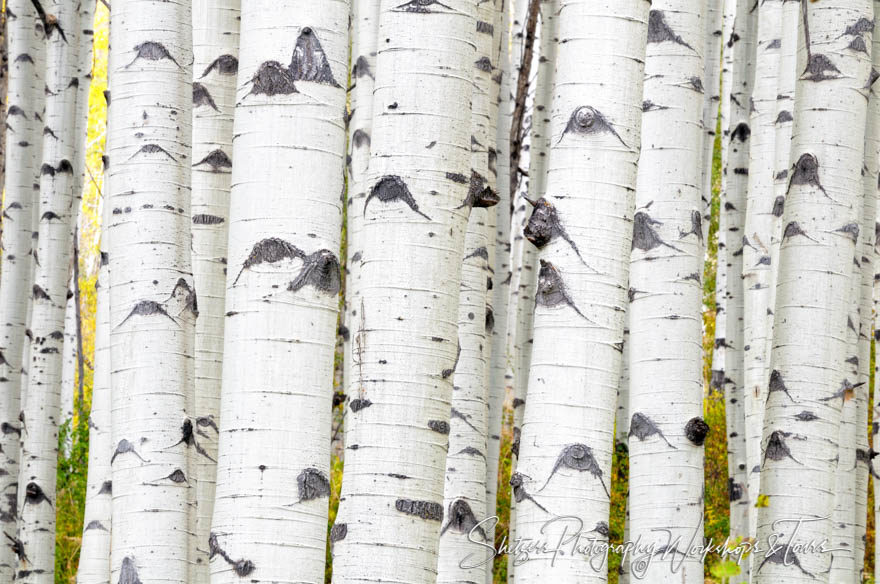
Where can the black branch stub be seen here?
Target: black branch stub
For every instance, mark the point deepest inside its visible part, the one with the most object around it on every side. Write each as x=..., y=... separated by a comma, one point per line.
x=696, y=431
x=588, y=121
x=545, y=225
x=391, y=188
x=34, y=495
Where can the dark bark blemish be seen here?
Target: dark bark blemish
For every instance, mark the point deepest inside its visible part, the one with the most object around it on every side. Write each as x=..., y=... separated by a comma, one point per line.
x=741, y=133
x=95, y=525
x=846, y=391
x=223, y=65
x=778, y=206
x=271, y=79
x=734, y=490
x=778, y=384
x=357, y=405
x=858, y=45
x=125, y=447
x=309, y=62
x=643, y=427
x=519, y=491
x=659, y=31
x=421, y=6
x=205, y=219
x=391, y=188
x=696, y=227
x=461, y=519
x=360, y=138
x=128, y=573
x=783, y=555
x=439, y=426
x=34, y=495
x=851, y=230
x=217, y=160
x=424, y=509
x=147, y=308
x=362, y=68
x=470, y=451
x=577, y=457
x=587, y=121
x=14, y=110
x=338, y=532
x=552, y=291
x=106, y=488
x=152, y=51
x=312, y=484
x=645, y=237
x=544, y=225
x=650, y=106
x=818, y=68
x=777, y=449
x=201, y=96
x=793, y=229
x=484, y=64
x=153, y=149
x=270, y=251
x=241, y=567
x=696, y=431
x=39, y=293
x=784, y=116
x=321, y=271
x=480, y=194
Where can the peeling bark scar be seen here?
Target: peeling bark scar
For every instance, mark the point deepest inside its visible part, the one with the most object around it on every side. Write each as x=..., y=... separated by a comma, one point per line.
x=421, y=6
x=777, y=449
x=425, y=509
x=480, y=194
x=552, y=291
x=588, y=121
x=321, y=271
x=271, y=79
x=519, y=491
x=201, y=96
x=391, y=188
x=462, y=519
x=577, y=457
x=223, y=65
x=242, y=568
x=806, y=172
x=152, y=51
x=545, y=225
x=643, y=427
x=659, y=31
x=309, y=61
x=645, y=237
x=217, y=160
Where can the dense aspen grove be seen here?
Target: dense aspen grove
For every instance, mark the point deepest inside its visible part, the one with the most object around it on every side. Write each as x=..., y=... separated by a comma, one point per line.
x=439, y=291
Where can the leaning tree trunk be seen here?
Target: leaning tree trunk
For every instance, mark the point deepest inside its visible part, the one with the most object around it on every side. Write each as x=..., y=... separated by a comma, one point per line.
x=215, y=49
x=42, y=409
x=152, y=298
x=21, y=164
x=281, y=294
x=809, y=381
x=415, y=219
x=584, y=225
x=665, y=352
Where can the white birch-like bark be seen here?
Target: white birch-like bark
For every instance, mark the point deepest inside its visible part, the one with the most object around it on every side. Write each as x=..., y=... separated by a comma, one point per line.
x=215, y=50
x=713, y=41
x=666, y=428
x=153, y=302
x=415, y=218
x=760, y=228
x=22, y=161
x=568, y=431
x=94, y=557
x=285, y=222
x=728, y=40
x=809, y=380
x=41, y=413
x=365, y=14
x=68, y=365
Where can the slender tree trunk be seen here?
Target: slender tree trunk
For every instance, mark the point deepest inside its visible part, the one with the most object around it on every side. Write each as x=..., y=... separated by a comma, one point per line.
x=282, y=294
x=56, y=210
x=153, y=302
x=667, y=435
x=392, y=490
x=713, y=41
x=215, y=49
x=16, y=278
x=568, y=431
x=68, y=365
x=809, y=380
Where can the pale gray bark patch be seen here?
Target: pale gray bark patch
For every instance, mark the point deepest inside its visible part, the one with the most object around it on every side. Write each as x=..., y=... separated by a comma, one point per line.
x=391, y=188
x=659, y=31
x=588, y=121
x=242, y=567
x=218, y=161
x=643, y=427
x=312, y=484
x=360, y=138
x=223, y=65
x=271, y=79
x=778, y=206
x=696, y=430
x=95, y=525
x=362, y=68
x=577, y=457
x=851, y=230
x=461, y=519
x=551, y=291
x=309, y=61
x=338, y=532
x=201, y=96
x=151, y=51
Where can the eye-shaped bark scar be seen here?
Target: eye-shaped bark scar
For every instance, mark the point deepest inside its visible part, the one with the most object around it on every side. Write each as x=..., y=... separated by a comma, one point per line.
x=643, y=427
x=362, y=68
x=128, y=573
x=321, y=271
x=484, y=64
x=39, y=294
x=519, y=491
x=645, y=237
x=201, y=96
x=470, y=451
x=49, y=216
x=785, y=556
x=777, y=449
x=152, y=51
x=462, y=519
x=223, y=65
x=360, y=138
x=271, y=79
x=241, y=568
x=480, y=195
x=147, y=308
x=95, y=525
x=588, y=121
x=650, y=106
x=577, y=457
x=793, y=229
x=778, y=384
x=17, y=547
x=741, y=132
x=217, y=160
x=270, y=251
x=34, y=495
x=545, y=225
x=176, y=477
x=152, y=149
x=858, y=45
x=391, y=188
x=659, y=31
x=309, y=62
x=421, y=6
x=125, y=447
x=806, y=416
x=818, y=68
x=552, y=291
x=188, y=438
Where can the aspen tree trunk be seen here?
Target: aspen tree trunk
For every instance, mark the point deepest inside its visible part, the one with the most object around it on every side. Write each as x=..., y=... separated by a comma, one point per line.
x=666, y=428
x=734, y=207
x=22, y=154
x=41, y=413
x=365, y=14
x=391, y=511
x=729, y=41
x=94, y=558
x=713, y=41
x=69, y=358
x=500, y=295
x=281, y=299
x=215, y=50
x=568, y=432
x=760, y=228
x=153, y=302
x=809, y=379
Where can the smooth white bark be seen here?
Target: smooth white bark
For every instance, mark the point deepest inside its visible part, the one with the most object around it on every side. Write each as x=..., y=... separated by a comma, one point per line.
x=666, y=430
x=809, y=378
x=568, y=431
x=153, y=302
x=285, y=221
x=713, y=41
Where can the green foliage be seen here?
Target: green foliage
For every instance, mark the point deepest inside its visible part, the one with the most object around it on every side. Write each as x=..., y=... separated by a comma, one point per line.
x=70, y=500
